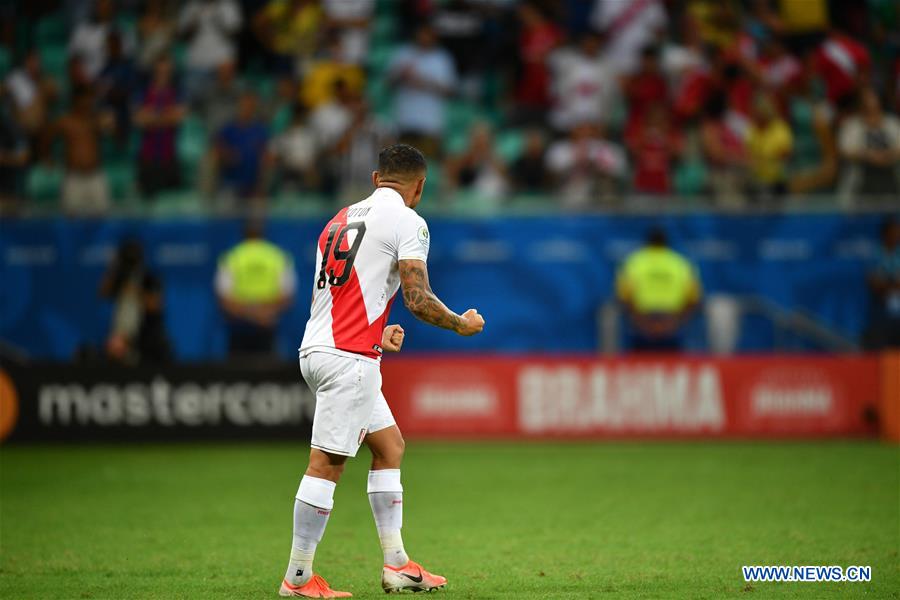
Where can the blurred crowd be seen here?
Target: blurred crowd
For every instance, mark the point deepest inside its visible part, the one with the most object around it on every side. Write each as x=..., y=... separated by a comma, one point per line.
x=575, y=103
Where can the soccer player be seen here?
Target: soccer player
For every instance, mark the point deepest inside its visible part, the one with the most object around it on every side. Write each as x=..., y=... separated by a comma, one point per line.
x=366, y=252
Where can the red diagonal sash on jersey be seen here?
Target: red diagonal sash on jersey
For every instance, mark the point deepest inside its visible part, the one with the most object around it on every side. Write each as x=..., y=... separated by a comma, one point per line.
x=350, y=325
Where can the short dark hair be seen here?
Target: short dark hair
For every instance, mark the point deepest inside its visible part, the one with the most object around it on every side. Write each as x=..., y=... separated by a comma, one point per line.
x=402, y=160
x=656, y=236
x=254, y=228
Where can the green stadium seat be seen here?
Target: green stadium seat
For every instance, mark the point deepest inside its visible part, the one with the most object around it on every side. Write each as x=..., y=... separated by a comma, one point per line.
x=456, y=141
x=383, y=29
x=509, y=144
x=192, y=146
x=531, y=204
x=379, y=58
x=461, y=115
x=55, y=58
x=281, y=120
x=122, y=179
x=297, y=204
x=44, y=184
x=690, y=178
x=471, y=203
x=262, y=84
x=379, y=97
x=179, y=52
x=433, y=184
x=51, y=30
x=171, y=203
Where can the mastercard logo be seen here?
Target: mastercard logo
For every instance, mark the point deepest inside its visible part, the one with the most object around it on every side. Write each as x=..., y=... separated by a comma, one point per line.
x=9, y=405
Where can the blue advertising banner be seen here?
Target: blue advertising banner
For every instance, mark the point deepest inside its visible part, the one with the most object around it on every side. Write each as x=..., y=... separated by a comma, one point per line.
x=537, y=280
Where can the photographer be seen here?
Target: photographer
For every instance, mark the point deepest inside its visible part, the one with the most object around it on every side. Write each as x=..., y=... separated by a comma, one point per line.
x=137, y=333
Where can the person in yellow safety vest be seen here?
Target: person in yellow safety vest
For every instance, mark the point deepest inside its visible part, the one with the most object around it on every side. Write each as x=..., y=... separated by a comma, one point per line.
x=255, y=284
x=660, y=290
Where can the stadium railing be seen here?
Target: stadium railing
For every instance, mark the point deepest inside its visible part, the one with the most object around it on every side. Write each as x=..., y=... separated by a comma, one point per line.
x=193, y=204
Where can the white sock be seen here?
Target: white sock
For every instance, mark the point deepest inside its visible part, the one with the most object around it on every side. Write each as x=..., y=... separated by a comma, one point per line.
x=312, y=507
x=386, y=500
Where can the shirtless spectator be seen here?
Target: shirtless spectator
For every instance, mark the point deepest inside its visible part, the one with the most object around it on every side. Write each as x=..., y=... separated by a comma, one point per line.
x=85, y=190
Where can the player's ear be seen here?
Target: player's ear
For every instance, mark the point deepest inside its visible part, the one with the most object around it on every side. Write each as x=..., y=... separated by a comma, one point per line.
x=420, y=187
x=375, y=178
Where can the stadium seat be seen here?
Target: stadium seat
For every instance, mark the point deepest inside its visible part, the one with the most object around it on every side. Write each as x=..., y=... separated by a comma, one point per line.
x=509, y=144
x=179, y=51
x=51, y=30
x=531, y=204
x=262, y=84
x=43, y=184
x=55, y=58
x=122, y=180
x=280, y=120
x=471, y=203
x=176, y=203
x=297, y=204
x=192, y=145
x=461, y=116
x=382, y=30
x=690, y=178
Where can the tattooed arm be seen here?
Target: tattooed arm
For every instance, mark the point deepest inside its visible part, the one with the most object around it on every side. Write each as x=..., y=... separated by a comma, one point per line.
x=422, y=302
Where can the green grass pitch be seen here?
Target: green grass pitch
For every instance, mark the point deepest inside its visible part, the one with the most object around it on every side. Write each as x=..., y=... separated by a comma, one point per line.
x=500, y=520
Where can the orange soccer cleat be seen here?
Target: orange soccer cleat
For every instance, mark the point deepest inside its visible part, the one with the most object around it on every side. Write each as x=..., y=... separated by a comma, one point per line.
x=410, y=576
x=316, y=587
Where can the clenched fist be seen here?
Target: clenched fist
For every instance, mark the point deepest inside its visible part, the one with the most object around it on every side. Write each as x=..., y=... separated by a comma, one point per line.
x=392, y=338
x=472, y=323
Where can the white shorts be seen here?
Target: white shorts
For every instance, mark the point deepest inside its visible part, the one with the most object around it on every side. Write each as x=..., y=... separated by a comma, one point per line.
x=349, y=402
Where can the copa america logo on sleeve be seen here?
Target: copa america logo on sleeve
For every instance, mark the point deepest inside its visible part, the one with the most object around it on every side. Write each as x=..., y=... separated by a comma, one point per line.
x=423, y=236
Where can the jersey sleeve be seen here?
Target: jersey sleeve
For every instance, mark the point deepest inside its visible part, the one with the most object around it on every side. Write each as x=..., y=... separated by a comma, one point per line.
x=414, y=238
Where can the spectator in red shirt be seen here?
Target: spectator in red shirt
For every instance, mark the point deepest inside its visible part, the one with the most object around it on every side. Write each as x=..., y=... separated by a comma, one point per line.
x=725, y=76
x=645, y=88
x=159, y=116
x=779, y=70
x=738, y=88
x=539, y=36
x=843, y=63
x=654, y=145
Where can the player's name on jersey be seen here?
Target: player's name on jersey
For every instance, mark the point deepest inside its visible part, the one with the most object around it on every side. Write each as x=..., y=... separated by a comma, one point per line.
x=359, y=211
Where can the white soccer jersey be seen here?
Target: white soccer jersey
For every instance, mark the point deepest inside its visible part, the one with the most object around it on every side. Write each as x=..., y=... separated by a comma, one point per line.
x=357, y=273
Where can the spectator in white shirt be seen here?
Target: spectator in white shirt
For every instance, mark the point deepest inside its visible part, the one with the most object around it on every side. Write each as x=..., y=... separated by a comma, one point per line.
x=292, y=156
x=869, y=143
x=424, y=76
x=629, y=26
x=331, y=119
x=583, y=88
x=210, y=27
x=346, y=133
x=89, y=39
x=586, y=167
x=31, y=92
x=352, y=19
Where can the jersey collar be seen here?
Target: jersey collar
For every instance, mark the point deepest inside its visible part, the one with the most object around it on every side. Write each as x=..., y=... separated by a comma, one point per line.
x=388, y=194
